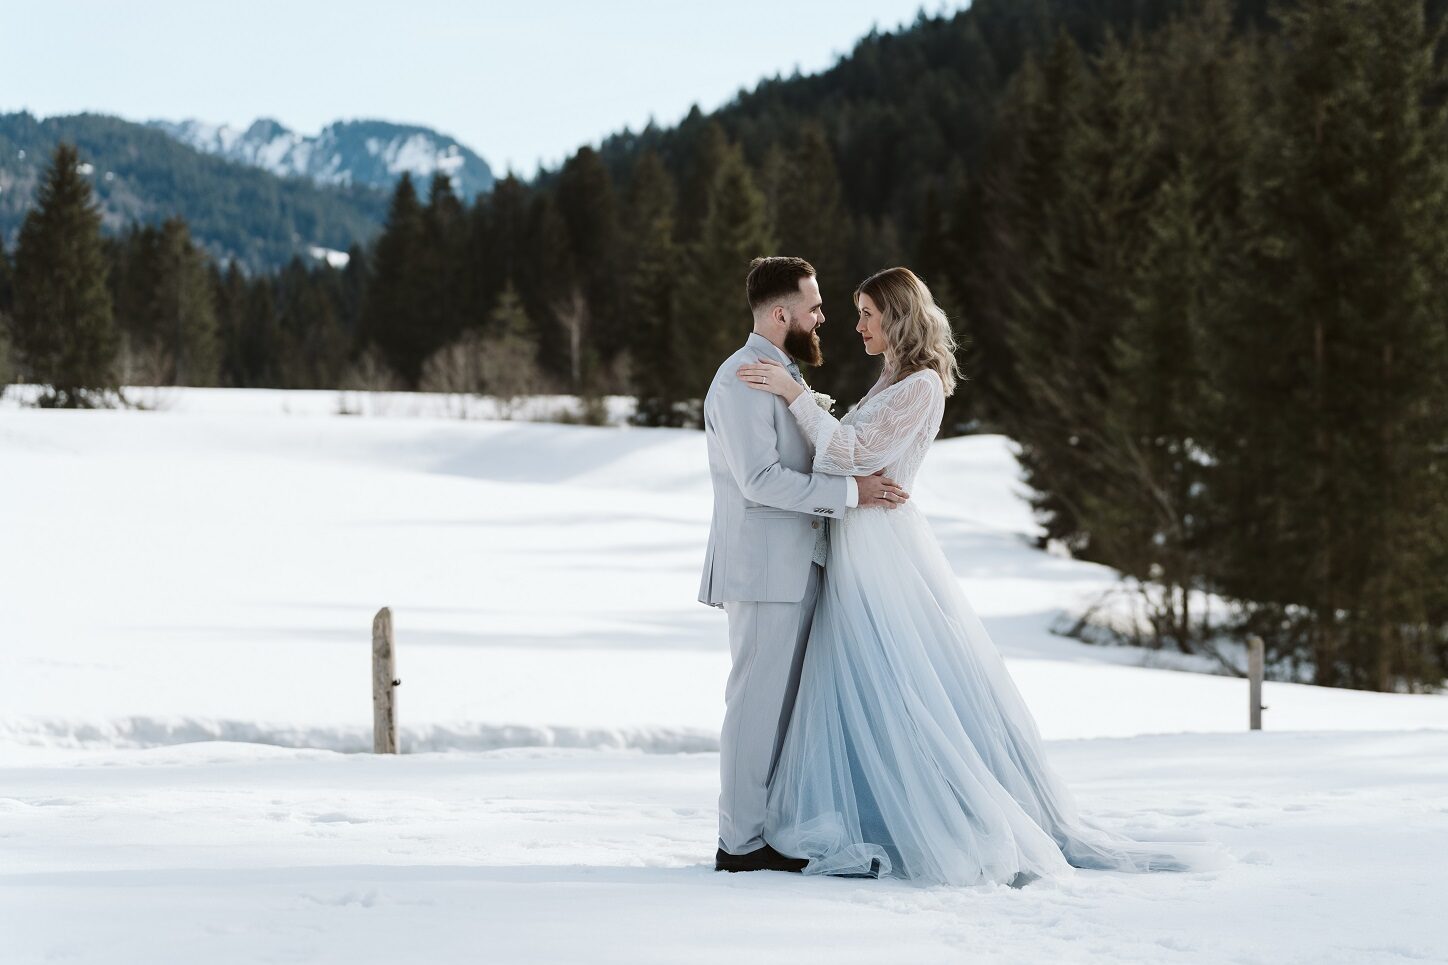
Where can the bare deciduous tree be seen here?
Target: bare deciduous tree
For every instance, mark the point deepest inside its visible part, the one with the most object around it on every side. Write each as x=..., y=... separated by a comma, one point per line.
x=572, y=314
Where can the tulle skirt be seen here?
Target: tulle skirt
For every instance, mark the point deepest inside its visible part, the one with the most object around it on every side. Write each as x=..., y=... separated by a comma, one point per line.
x=910, y=752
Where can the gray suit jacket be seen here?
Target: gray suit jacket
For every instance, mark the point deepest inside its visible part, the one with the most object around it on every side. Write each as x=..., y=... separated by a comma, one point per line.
x=768, y=506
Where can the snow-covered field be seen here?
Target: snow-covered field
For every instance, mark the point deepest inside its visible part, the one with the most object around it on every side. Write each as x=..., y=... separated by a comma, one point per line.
x=186, y=597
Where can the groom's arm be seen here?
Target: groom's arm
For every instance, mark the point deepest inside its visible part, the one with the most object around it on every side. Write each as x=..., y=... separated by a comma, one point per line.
x=743, y=422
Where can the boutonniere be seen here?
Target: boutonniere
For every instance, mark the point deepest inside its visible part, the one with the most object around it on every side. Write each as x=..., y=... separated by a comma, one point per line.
x=822, y=400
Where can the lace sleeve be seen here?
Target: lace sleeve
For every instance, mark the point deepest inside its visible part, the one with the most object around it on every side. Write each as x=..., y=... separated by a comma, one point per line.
x=880, y=432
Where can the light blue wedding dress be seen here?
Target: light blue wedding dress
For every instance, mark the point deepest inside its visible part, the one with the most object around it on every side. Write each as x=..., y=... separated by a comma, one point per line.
x=910, y=748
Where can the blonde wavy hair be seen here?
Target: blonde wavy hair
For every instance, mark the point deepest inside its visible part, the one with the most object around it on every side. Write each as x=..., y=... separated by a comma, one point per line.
x=917, y=333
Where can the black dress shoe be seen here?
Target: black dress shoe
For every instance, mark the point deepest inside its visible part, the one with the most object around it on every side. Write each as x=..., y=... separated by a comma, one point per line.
x=765, y=859
x=874, y=871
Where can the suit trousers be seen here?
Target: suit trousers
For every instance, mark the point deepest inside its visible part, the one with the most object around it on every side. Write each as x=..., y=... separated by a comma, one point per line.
x=767, y=644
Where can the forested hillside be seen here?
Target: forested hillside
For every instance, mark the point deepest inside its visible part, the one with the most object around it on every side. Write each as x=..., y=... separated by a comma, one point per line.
x=141, y=175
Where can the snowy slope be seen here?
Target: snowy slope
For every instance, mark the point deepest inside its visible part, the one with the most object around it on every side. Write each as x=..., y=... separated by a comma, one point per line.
x=187, y=588
x=212, y=570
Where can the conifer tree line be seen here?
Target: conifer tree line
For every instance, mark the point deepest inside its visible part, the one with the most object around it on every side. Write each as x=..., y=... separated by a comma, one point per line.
x=582, y=285
x=1206, y=278
x=84, y=314
x=1198, y=271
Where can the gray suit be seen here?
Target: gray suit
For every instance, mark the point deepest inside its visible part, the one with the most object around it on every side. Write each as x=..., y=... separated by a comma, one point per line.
x=768, y=509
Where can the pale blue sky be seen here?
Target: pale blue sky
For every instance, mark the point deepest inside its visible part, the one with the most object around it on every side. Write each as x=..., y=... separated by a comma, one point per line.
x=518, y=82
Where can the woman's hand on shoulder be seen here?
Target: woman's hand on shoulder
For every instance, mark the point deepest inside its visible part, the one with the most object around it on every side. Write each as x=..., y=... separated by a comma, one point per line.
x=767, y=375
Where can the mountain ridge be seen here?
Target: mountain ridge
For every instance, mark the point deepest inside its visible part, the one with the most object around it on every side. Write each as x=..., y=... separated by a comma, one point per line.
x=362, y=151
x=279, y=194
x=140, y=175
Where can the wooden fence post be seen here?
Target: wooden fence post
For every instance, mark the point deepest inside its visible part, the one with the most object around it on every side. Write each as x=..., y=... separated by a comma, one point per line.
x=384, y=685
x=1254, y=677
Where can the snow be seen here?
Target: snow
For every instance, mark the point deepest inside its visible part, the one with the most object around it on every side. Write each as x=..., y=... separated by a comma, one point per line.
x=333, y=257
x=283, y=152
x=418, y=154
x=188, y=592
x=269, y=145
x=272, y=147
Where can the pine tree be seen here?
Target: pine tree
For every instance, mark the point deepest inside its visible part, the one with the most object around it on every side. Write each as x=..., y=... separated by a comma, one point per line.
x=1165, y=390
x=705, y=150
x=7, y=287
x=811, y=223
x=62, y=323
x=1178, y=208
x=589, y=209
x=771, y=176
x=497, y=235
x=1402, y=633
x=315, y=346
x=8, y=369
x=1334, y=391
x=1038, y=216
x=134, y=281
x=8, y=372
x=1066, y=341
x=943, y=246
x=260, y=346
x=1099, y=252
x=440, y=310
x=660, y=341
x=230, y=293
x=393, y=316
x=510, y=366
x=1145, y=516
x=551, y=291
x=734, y=232
x=950, y=245
x=187, y=313
x=165, y=306
x=355, y=278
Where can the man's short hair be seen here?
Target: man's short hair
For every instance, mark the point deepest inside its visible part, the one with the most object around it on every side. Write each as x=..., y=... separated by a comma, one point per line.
x=773, y=278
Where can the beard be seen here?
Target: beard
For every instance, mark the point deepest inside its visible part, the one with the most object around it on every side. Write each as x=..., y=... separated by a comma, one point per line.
x=803, y=344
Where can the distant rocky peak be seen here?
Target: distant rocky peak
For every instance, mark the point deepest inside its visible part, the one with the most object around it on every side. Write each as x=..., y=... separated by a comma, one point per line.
x=361, y=152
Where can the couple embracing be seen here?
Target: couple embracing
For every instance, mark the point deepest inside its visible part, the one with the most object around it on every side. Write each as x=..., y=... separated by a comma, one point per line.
x=871, y=728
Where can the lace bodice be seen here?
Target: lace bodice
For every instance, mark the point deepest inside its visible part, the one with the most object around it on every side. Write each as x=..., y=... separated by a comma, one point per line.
x=891, y=429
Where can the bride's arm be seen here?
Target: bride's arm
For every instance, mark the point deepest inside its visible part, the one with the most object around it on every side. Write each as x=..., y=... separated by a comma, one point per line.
x=878, y=435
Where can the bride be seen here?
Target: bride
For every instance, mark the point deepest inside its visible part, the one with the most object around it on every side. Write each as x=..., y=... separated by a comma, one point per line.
x=910, y=752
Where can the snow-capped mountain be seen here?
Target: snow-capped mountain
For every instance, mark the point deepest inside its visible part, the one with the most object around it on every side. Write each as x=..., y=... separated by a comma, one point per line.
x=346, y=152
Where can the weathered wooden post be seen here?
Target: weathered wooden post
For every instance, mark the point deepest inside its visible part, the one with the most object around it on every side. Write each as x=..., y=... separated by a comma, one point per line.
x=1254, y=677
x=384, y=685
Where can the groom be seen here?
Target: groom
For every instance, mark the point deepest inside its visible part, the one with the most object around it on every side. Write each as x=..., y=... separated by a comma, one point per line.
x=767, y=548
